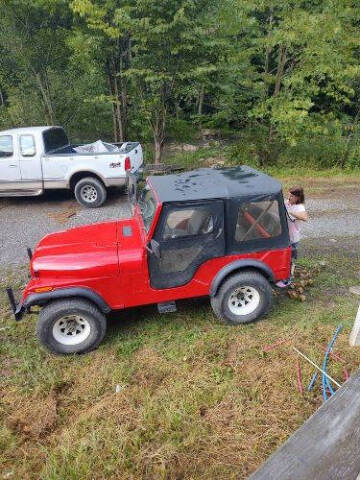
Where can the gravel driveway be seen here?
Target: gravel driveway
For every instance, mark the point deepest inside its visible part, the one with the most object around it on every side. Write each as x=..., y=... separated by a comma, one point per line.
x=23, y=221
x=336, y=216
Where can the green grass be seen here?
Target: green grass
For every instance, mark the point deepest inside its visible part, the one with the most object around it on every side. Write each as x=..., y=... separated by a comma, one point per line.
x=198, y=399
x=203, y=157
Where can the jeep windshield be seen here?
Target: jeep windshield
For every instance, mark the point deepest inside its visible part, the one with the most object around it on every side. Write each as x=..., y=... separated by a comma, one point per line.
x=147, y=205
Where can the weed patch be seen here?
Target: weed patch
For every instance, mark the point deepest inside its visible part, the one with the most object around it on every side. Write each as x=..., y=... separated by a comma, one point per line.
x=197, y=399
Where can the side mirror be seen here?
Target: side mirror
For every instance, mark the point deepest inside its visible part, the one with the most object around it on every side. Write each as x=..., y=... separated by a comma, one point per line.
x=154, y=248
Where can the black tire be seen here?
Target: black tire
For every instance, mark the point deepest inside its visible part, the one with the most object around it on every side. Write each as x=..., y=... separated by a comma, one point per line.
x=90, y=192
x=51, y=327
x=226, y=297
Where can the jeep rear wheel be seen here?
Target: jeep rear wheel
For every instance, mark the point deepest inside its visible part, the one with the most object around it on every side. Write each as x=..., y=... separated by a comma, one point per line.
x=90, y=192
x=242, y=298
x=71, y=326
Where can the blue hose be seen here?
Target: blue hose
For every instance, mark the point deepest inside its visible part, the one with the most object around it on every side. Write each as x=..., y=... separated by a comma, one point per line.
x=312, y=382
x=325, y=381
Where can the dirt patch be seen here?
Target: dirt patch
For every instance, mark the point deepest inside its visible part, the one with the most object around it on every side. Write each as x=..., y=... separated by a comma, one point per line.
x=120, y=407
x=151, y=368
x=8, y=366
x=35, y=418
x=63, y=216
x=214, y=161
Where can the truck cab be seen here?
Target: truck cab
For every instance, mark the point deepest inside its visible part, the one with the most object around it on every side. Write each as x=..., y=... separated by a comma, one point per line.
x=220, y=233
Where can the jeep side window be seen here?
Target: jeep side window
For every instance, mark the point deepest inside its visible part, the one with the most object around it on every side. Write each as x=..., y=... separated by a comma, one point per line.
x=258, y=220
x=183, y=223
x=6, y=146
x=147, y=204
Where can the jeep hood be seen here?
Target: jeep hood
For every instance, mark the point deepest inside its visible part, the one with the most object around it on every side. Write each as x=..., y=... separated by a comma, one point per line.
x=91, y=251
x=92, y=247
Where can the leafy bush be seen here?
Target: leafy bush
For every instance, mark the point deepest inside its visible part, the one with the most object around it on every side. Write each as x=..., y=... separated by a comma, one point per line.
x=180, y=130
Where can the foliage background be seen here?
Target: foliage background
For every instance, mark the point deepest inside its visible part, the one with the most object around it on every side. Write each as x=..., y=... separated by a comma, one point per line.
x=279, y=78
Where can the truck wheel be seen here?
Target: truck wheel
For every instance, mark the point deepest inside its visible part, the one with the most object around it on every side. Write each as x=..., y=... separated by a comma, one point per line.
x=71, y=326
x=243, y=298
x=90, y=192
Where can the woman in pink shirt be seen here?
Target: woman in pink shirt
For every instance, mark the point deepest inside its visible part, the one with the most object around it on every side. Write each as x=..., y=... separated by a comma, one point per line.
x=296, y=215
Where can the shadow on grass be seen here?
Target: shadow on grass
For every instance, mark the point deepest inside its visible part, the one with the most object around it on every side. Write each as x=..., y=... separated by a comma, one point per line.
x=123, y=323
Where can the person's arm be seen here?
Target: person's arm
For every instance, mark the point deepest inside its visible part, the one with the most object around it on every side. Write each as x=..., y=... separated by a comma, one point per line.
x=300, y=216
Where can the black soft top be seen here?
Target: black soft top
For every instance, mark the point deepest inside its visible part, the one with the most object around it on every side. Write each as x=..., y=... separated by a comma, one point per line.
x=207, y=183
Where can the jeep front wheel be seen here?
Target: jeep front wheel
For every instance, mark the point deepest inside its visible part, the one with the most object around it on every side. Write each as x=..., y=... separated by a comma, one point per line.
x=90, y=192
x=242, y=298
x=71, y=326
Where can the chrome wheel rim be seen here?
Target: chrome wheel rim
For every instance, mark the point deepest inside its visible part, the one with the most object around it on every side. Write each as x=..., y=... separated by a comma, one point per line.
x=71, y=329
x=243, y=300
x=89, y=193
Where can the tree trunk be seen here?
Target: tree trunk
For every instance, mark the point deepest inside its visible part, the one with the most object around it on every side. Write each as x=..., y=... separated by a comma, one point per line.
x=125, y=62
x=122, y=60
x=118, y=109
x=112, y=95
x=159, y=131
x=2, y=100
x=280, y=70
x=49, y=114
x=201, y=100
x=268, y=48
x=124, y=105
x=278, y=78
x=158, y=144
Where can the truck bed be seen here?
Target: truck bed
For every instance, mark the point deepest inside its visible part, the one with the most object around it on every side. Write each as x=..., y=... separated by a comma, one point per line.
x=125, y=147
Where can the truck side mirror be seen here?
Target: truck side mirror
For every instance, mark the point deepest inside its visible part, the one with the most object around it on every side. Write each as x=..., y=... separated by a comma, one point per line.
x=154, y=248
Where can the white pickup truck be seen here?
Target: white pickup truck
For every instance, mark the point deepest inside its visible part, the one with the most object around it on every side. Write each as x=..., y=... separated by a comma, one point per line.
x=35, y=159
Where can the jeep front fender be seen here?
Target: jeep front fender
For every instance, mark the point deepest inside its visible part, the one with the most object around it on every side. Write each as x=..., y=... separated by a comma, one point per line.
x=46, y=297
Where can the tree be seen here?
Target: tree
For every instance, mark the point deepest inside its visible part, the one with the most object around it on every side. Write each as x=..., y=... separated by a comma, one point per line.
x=107, y=40
x=304, y=66
x=168, y=40
x=33, y=40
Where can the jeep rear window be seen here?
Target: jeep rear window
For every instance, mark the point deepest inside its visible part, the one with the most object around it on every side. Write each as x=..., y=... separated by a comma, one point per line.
x=257, y=220
x=147, y=204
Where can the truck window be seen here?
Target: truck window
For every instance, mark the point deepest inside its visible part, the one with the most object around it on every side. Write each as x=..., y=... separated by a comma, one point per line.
x=54, y=138
x=182, y=223
x=6, y=146
x=27, y=146
x=258, y=220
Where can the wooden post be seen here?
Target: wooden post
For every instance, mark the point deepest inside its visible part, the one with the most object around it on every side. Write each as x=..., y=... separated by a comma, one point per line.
x=326, y=447
x=354, y=339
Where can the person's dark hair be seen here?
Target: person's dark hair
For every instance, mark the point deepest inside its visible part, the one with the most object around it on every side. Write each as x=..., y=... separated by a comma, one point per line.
x=298, y=192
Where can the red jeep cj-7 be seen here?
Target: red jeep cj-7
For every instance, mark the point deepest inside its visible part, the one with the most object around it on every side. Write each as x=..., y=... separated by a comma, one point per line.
x=216, y=232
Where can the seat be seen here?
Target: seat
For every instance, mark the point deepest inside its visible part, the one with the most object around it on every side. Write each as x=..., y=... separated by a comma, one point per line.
x=201, y=222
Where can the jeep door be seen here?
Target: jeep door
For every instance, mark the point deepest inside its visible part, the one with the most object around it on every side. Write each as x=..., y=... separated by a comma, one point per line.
x=188, y=235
